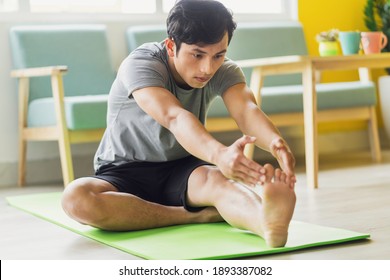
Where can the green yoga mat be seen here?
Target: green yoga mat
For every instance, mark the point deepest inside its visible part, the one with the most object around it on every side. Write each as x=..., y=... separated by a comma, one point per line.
x=198, y=241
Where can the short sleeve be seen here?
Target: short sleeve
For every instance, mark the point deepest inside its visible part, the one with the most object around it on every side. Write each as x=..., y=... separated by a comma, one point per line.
x=228, y=75
x=144, y=67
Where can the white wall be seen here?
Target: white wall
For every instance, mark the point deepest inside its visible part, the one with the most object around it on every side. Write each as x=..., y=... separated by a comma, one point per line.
x=43, y=163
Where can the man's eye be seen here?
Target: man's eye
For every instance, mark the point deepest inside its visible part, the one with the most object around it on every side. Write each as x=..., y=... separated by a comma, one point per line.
x=197, y=55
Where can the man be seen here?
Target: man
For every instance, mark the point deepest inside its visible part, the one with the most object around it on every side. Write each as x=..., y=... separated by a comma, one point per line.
x=158, y=166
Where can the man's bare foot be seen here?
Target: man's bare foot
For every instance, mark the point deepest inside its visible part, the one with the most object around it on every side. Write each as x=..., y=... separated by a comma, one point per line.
x=278, y=202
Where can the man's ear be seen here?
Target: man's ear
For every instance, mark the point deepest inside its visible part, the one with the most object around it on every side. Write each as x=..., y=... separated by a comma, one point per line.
x=170, y=45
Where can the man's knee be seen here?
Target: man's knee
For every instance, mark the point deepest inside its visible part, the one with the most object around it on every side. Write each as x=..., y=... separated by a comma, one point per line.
x=206, y=175
x=209, y=180
x=80, y=201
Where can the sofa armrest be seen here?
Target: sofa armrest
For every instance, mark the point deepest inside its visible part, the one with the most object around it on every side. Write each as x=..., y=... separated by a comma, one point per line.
x=56, y=73
x=39, y=71
x=276, y=65
x=272, y=66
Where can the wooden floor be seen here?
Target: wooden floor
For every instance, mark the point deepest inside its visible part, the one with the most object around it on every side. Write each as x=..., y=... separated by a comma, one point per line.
x=354, y=194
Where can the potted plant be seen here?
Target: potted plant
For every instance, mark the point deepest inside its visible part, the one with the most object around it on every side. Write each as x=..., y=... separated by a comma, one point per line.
x=377, y=18
x=328, y=42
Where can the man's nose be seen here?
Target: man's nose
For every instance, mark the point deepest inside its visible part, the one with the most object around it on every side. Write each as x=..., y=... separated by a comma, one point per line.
x=207, y=67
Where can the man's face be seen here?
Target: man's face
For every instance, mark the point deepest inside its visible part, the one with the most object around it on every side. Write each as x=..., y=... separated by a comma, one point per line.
x=194, y=65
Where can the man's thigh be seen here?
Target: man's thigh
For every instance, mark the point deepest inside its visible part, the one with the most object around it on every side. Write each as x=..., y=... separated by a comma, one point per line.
x=176, y=188
x=160, y=182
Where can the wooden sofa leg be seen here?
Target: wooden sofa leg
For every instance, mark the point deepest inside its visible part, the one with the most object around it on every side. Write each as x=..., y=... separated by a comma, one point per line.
x=63, y=132
x=249, y=151
x=374, y=136
x=24, y=84
x=66, y=160
x=22, y=162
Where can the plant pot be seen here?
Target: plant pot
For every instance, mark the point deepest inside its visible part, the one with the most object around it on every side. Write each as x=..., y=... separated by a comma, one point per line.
x=328, y=48
x=384, y=94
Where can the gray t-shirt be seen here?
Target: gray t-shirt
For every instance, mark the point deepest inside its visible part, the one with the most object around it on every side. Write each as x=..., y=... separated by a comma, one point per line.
x=131, y=134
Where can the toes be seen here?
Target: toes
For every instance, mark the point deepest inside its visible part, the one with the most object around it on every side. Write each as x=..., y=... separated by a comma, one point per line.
x=277, y=175
x=269, y=172
x=293, y=180
x=283, y=177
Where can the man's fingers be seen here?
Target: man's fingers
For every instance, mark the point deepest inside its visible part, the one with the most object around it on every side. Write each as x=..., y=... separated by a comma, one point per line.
x=288, y=161
x=248, y=171
x=246, y=179
x=253, y=166
x=247, y=174
x=244, y=140
x=277, y=144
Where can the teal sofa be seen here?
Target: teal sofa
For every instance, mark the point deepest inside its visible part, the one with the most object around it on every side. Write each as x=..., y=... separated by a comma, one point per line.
x=53, y=106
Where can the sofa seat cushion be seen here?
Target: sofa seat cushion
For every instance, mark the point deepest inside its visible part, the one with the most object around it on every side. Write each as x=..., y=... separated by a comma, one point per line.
x=82, y=112
x=288, y=99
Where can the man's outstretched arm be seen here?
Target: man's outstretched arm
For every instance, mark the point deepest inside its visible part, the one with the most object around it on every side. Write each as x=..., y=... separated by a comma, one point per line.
x=161, y=105
x=252, y=121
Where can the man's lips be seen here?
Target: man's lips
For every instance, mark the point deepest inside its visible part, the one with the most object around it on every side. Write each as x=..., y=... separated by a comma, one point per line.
x=202, y=79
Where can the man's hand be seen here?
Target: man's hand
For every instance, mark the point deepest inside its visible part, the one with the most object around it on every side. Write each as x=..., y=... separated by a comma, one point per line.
x=234, y=165
x=281, y=151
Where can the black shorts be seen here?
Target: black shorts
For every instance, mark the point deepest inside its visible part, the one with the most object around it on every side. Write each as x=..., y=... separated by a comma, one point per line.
x=160, y=182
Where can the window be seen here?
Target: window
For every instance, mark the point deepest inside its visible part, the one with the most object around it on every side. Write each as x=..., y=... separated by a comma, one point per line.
x=242, y=6
x=141, y=10
x=243, y=9
x=93, y=6
x=9, y=5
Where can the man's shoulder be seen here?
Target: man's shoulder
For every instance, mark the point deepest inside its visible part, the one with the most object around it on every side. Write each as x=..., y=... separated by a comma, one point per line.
x=152, y=49
x=229, y=67
x=149, y=55
x=227, y=75
x=229, y=62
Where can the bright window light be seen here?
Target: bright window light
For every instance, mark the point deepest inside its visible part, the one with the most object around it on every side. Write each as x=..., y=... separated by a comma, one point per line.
x=256, y=9
x=254, y=6
x=9, y=5
x=139, y=7
x=93, y=6
x=242, y=6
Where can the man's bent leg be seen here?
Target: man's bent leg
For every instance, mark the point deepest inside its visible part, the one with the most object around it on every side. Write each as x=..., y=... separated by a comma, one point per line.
x=268, y=216
x=97, y=203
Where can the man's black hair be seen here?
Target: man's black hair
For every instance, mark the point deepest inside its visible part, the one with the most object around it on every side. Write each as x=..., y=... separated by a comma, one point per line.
x=199, y=22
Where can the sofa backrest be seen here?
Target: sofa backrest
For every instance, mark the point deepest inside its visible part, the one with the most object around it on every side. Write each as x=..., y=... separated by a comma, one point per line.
x=83, y=48
x=268, y=39
x=250, y=40
x=140, y=34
